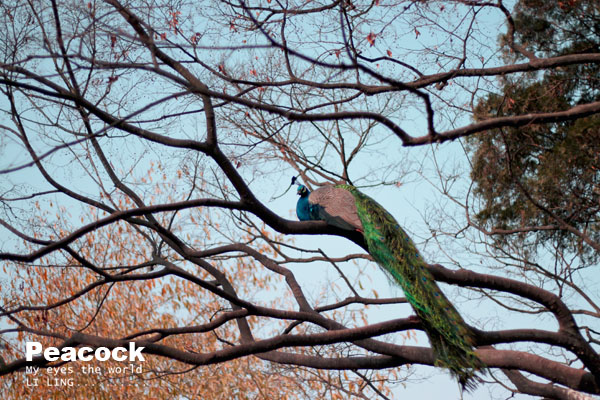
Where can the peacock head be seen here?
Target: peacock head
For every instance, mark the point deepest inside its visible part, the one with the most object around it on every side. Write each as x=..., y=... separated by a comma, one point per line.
x=302, y=191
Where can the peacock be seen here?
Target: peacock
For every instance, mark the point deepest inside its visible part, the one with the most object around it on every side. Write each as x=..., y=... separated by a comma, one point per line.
x=347, y=208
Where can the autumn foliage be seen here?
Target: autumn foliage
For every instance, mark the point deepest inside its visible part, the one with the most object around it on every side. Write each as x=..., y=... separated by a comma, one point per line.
x=146, y=155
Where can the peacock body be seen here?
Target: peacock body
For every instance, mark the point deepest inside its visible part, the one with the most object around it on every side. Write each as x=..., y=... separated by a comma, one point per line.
x=345, y=207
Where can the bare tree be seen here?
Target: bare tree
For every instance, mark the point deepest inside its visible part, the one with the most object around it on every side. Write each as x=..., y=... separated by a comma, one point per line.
x=143, y=148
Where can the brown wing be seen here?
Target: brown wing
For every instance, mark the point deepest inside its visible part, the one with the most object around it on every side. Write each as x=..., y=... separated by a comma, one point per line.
x=336, y=206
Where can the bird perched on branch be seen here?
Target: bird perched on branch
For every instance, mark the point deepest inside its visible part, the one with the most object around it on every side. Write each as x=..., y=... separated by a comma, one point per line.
x=347, y=208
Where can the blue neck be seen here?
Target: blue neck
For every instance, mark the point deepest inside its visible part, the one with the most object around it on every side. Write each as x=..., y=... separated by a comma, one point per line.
x=303, y=208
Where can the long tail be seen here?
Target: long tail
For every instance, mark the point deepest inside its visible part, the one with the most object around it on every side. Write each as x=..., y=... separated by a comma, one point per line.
x=451, y=339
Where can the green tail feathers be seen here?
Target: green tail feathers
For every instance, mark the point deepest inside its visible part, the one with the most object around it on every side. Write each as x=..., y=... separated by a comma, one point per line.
x=451, y=339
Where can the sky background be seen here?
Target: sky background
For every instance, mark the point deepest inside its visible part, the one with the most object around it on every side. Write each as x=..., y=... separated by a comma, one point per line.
x=415, y=203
